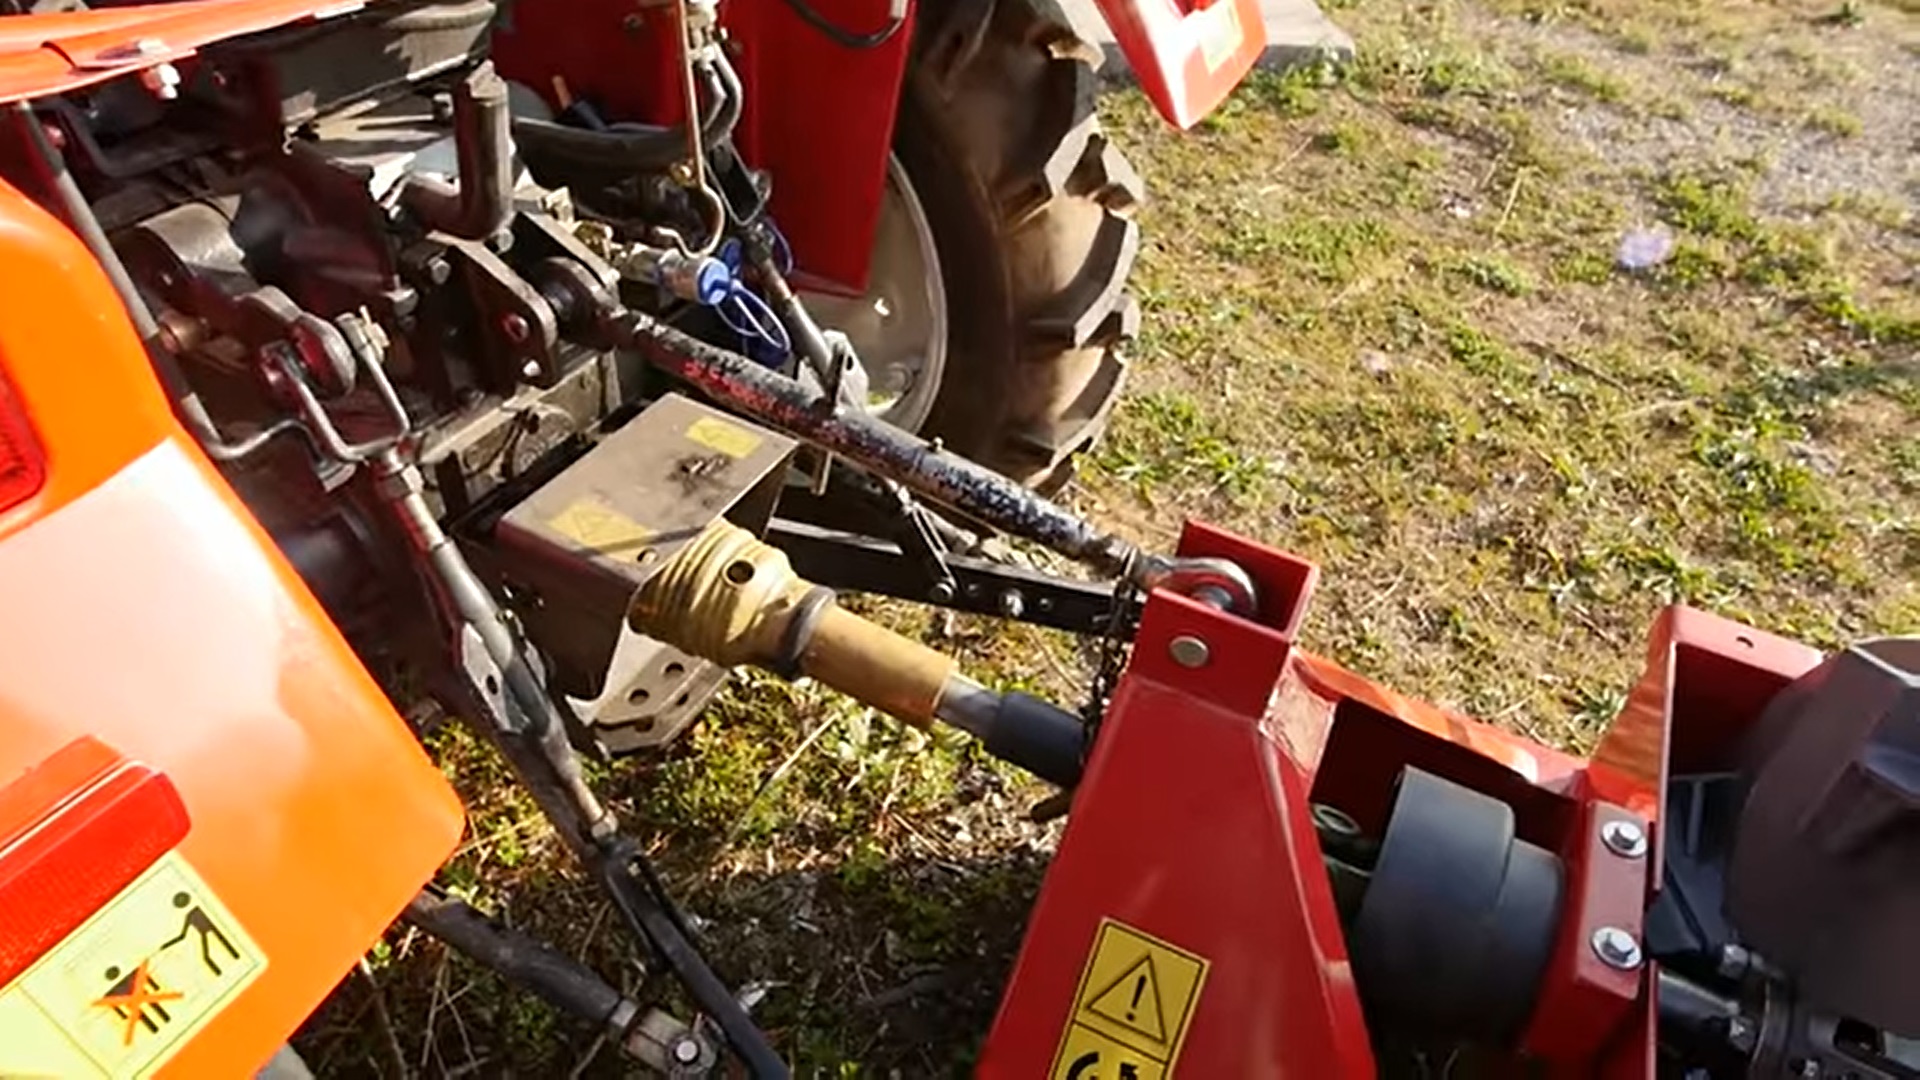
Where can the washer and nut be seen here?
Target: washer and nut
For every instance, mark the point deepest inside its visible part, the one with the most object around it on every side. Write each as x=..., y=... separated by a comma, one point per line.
x=1616, y=948
x=1625, y=838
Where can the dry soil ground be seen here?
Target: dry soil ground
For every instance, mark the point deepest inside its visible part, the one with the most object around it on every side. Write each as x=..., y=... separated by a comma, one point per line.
x=1385, y=328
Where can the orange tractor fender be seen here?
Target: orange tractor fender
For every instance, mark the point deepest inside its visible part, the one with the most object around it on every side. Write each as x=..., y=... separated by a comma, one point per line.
x=178, y=718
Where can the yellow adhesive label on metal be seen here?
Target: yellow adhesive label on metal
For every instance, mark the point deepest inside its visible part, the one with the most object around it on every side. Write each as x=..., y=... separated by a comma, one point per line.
x=729, y=439
x=1131, y=1011
x=594, y=525
x=132, y=985
x=1088, y=1055
x=1220, y=33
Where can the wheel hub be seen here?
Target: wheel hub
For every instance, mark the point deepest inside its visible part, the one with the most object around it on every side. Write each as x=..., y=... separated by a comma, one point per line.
x=899, y=325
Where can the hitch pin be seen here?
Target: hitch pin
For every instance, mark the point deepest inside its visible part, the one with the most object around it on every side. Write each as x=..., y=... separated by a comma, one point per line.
x=1217, y=583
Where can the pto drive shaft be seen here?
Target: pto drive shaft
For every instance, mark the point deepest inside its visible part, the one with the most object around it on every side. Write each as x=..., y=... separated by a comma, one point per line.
x=732, y=599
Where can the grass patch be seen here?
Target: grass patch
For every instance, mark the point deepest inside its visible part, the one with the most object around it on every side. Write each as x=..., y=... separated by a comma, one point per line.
x=1713, y=206
x=1583, y=268
x=1572, y=72
x=1434, y=67
x=1170, y=439
x=1737, y=94
x=1290, y=94
x=1838, y=123
x=1795, y=264
x=1330, y=249
x=1494, y=274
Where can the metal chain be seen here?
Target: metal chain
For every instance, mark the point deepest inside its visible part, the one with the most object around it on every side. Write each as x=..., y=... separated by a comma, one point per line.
x=1114, y=649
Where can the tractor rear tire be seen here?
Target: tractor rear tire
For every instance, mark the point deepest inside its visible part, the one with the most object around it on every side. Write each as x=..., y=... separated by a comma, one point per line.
x=1030, y=209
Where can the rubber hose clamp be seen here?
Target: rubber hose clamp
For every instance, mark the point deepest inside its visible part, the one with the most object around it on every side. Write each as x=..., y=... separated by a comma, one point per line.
x=800, y=631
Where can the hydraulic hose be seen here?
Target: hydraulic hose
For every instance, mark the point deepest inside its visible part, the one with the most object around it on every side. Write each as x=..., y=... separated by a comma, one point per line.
x=558, y=979
x=628, y=149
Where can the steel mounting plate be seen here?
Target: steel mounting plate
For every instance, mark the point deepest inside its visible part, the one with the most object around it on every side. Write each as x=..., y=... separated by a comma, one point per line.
x=573, y=553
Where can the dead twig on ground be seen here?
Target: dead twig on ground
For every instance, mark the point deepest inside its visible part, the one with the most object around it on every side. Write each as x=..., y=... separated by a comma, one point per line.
x=388, y=1035
x=773, y=781
x=1561, y=356
x=1513, y=192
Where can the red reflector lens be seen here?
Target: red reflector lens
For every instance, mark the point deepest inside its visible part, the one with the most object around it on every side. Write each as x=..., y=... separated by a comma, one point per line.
x=23, y=467
x=74, y=831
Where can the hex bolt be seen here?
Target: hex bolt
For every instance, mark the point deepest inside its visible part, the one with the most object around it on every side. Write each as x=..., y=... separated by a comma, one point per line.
x=514, y=325
x=1624, y=838
x=1616, y=948
x=530, y=369
x=162, y=81
x=1012, y=604
x=686, y=1051
x=1189, y=651
x=941, y=593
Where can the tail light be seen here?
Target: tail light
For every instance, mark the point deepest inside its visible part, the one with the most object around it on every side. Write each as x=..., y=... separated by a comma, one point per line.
x=23, y=466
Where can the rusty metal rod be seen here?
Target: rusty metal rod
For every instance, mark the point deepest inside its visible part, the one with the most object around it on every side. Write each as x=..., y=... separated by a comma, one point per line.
x=556, y=978
x=772, y=398
x=479, y=208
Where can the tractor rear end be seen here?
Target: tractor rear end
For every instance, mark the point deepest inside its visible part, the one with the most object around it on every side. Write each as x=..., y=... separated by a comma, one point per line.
x=544, y=365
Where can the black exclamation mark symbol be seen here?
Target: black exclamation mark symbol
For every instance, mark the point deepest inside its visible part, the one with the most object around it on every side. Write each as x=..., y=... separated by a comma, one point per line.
x=1139, y=987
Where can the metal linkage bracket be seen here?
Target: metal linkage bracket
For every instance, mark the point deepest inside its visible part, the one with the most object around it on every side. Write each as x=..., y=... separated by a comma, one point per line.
x=574, y=552
x=855, y=563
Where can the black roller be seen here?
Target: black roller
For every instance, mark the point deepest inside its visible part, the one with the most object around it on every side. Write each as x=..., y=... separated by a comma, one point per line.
x=1458, y=920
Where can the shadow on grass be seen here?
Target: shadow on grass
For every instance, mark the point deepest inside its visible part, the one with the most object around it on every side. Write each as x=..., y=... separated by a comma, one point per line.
x=870, y=966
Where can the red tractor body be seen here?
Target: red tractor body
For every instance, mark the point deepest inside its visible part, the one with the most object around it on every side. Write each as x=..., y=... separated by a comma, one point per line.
x=821, y=119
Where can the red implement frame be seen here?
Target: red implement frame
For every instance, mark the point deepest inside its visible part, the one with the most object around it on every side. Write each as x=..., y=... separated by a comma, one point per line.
x=1187, y=54
x=1191, y=825
x=1192, y=828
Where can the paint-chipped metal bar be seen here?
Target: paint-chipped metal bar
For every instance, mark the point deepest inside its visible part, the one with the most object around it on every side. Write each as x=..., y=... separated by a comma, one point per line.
x=791, y=406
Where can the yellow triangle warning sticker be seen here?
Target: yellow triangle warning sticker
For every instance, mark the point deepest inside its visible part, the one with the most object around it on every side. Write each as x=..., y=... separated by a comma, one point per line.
x=1136, y=998
x=1133, y=1002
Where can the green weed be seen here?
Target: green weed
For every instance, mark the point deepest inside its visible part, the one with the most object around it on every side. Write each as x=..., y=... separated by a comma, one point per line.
x=1495, y=275
x=1577, y=74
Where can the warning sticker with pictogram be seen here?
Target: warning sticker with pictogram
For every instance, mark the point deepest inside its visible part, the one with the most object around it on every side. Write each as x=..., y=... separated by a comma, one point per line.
x=1131, y=1011
x=124, y=992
